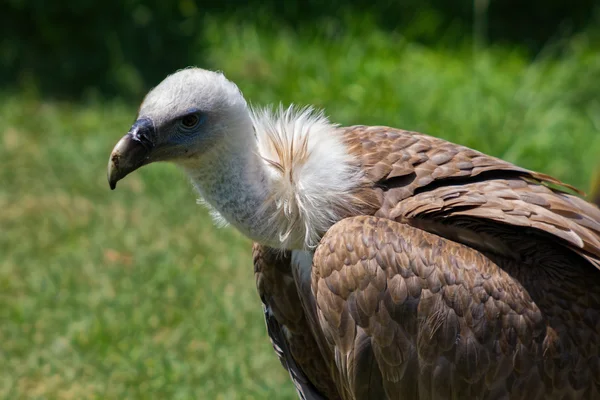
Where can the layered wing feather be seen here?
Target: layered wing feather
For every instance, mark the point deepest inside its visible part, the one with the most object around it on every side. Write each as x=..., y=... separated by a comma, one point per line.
x=287, y=326
x=515, y=202
x=420, y=177
x=411, y=315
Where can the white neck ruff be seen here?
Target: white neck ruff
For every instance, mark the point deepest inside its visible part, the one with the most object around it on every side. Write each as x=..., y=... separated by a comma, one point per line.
x=286, y=187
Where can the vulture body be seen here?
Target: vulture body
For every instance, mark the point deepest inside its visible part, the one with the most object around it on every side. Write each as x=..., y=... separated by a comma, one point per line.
x=390, y=264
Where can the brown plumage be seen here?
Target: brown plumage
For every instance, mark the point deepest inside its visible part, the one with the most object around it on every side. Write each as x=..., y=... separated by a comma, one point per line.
x=470, y=278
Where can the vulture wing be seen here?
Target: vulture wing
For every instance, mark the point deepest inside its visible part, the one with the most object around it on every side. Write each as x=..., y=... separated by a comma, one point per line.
x=411, y=315
x=425, y=181
x=287, y=327
x=473, y=278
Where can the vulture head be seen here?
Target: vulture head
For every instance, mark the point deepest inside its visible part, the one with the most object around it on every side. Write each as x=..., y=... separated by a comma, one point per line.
x=282, y=177
x=187, y=116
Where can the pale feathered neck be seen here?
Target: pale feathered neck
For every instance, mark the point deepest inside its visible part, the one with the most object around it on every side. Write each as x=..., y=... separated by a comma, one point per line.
x=289, y=183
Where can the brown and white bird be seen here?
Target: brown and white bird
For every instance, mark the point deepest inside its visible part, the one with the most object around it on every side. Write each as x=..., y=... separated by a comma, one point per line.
x=391, y=264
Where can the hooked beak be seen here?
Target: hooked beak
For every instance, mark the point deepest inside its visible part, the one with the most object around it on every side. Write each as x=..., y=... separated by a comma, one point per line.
x=132, y=151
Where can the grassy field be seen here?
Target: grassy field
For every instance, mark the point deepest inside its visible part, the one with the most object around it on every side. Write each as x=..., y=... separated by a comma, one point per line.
x=134, y=294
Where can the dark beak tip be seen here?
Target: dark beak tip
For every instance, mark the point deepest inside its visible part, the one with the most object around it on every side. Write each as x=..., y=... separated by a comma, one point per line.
x=113, y=185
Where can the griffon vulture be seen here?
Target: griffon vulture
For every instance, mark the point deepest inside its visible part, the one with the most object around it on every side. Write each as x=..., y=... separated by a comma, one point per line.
x=390, y=264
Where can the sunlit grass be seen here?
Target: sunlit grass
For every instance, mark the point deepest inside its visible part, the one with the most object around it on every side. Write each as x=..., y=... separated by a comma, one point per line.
x=134, y=294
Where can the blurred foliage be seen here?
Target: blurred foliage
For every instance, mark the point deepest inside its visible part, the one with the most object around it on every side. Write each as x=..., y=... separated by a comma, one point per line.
x=134, y=294
x=77, y=48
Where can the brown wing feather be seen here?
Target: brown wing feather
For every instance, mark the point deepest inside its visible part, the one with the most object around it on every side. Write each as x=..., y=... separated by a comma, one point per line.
x=412, y=160
x=287, y=326
x=411, y=315
x=514, y=202
x=423, y=177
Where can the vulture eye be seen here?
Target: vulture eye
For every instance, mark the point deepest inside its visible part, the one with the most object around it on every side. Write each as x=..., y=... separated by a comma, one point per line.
x=190, y=121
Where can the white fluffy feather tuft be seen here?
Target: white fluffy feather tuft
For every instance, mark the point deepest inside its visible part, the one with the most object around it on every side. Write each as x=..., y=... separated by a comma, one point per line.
x=313, y=178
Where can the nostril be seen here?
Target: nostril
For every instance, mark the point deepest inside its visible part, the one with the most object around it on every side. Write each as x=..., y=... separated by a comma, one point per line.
x=145, y=141
x=143, y=131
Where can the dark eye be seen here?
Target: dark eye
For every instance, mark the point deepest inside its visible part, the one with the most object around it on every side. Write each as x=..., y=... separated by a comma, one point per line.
x=190, y=121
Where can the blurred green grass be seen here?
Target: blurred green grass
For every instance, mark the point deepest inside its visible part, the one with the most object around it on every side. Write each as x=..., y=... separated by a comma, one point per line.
x=134, y=293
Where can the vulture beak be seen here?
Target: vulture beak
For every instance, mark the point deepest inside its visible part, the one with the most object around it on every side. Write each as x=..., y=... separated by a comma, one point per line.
x=132, y=151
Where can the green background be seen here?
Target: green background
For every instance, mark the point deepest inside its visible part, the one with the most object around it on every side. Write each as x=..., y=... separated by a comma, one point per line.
x=134, y=293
